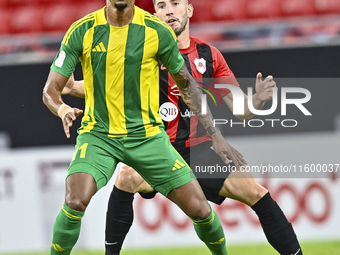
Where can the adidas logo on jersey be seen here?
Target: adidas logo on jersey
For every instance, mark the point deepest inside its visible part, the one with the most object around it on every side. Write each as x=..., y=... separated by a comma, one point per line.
x=178, y=165
x=99, y=48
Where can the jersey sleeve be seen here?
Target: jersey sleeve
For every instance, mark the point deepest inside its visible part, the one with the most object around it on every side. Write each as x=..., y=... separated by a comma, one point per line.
x=69, y=53
x=222, y=72
x=168, y=51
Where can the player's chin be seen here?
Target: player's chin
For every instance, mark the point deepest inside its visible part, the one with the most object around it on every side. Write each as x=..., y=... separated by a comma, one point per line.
x=120, y=6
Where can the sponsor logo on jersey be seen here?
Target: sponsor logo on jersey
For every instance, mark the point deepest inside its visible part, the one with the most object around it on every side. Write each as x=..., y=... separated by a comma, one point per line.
x=168, y=111
x=174, y=91
x=187, y=114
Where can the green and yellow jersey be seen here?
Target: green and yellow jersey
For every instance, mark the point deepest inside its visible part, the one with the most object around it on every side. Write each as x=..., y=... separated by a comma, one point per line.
x=120, y=69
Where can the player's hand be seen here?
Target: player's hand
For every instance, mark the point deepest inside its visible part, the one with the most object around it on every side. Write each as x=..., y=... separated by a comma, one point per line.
x=264, y=88
x=68, y=120
x=225, y=151
x=69, y=86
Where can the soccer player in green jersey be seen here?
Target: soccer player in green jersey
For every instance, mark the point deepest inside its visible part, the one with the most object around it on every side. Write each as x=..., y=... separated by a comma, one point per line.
x=119, y=47
x=244, y=187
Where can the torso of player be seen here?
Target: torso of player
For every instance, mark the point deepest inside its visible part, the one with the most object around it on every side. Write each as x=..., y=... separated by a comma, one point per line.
x=181, y=123
x=120, y=68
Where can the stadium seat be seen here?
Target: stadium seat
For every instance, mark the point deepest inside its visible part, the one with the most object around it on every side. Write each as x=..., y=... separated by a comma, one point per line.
x=327, y=6
x=229, y=10
x=202, y=11
x=3, y=4
x=53, y=2
x=146, y=5
x=88, y=7
x=4, y=22
x=297, y=8
x=22, y=3
x=263, y=9
x=59, y=17
x=28, y=20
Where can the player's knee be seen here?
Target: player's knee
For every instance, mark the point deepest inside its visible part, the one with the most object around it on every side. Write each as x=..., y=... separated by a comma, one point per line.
x=200, y=211
x=246, y=190
x=128, y=180
x=256, y=192
x=76, y=203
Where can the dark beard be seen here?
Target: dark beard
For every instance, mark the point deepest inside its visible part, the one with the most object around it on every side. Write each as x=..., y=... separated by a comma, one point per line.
x=180, y=30
x=120, y=6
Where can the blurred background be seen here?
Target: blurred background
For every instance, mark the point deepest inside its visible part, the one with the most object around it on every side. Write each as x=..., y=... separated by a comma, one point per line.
x=296, y=41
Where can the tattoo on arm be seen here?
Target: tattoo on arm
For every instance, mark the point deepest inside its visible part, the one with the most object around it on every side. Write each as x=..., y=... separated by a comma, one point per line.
x=192, y=96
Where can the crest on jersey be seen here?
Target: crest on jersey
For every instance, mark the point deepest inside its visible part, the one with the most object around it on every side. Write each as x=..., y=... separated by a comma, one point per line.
x=60, y=60
x=201, y=65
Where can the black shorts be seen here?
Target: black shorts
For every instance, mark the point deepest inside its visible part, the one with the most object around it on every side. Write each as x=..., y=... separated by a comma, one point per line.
x=201, y=154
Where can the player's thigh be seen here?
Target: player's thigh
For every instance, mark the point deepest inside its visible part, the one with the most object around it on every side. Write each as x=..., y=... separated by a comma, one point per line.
x=129, y=180
x=158, y=162
x=94, y=156
x=203, y=156
x=205, y=163
x=190, y=198
x=211, y=188
x=80, y=187
x=243, y=187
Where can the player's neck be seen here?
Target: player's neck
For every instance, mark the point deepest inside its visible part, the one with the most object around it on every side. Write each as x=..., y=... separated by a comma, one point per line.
x=119, y=18
x=183, y=40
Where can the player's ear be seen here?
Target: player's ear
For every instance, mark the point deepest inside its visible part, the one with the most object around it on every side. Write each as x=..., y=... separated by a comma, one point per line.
x=190, y=10
x=155, y=14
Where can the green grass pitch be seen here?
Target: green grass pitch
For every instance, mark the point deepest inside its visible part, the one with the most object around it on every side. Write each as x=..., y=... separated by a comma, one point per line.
x=309, y=248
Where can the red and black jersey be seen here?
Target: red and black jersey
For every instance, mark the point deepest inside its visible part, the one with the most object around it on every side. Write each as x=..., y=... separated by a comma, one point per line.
x=203, y=62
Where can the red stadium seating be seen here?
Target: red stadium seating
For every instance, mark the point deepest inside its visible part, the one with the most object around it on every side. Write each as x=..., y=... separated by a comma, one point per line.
x=297, y=8
x=3, y=4
x=327, y=6
x=22, y=3
x=27, y=20
x=87, y=8
x=229, y=10
x=202, y=11
x=146, y=5
x=53, y=2
x=263, y=9
x=59, y=17
x=4, y=22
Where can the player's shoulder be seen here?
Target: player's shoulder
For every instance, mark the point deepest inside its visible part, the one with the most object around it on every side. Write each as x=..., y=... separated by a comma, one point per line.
x=80, y=27
x=153, y=22
x=82, y=22
x=204, y=43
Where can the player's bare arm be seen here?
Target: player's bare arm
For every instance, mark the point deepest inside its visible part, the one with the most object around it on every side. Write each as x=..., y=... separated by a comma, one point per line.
x=74, y=88
x=264, y=93
x=52, y=99
x=192, y=96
